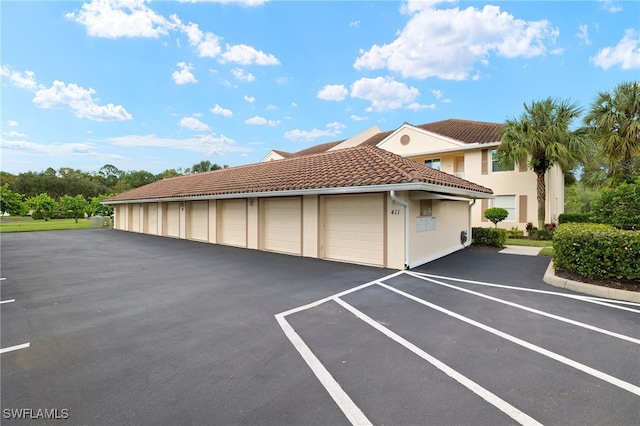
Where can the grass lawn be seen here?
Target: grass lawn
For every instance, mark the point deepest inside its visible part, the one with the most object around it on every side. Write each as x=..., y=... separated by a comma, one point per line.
x=26, y=224
x=528, y=243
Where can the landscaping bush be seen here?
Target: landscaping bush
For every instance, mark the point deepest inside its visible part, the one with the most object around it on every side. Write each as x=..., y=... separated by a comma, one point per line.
x=495, y=237
x=597, y=251
x=541, y=234
x=496, y=214
x=515, y=233
x=619, y=206
x=575, y=218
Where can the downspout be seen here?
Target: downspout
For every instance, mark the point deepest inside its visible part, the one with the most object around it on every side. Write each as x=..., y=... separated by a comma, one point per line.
x=395, y=199
x=470, y=236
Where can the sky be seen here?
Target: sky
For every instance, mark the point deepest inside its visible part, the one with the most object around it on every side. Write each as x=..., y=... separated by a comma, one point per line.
x=164, y=85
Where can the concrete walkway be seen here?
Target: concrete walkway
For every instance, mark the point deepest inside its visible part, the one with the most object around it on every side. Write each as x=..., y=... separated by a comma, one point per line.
x=522, y=250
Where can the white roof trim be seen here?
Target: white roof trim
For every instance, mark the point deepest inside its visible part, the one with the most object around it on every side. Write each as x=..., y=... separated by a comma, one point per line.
x=466, y=147
x=410, y=186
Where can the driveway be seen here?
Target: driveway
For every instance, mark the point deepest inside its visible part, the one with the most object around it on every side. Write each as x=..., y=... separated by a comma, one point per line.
x=111, y=327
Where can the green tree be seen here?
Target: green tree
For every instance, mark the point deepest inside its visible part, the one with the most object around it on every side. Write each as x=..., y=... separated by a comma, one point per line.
x=619, y=206
x=77, y=205
x=96, y=208
x=11, y=202
x=169, y=173
x=496, y=214
x=42, y=204
x=206, y=166
x=614, y=120
x=543, y=134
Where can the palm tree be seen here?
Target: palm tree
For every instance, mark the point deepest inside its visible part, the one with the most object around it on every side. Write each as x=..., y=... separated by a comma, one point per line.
x=614, y=120
x=543, y=134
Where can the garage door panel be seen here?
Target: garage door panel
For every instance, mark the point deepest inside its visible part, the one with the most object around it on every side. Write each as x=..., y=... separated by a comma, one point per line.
x=152, y=219
x=354, y=229
x=233, y=229
x=135, y=218
x=199, y=220
x=173, y=220
x=283, y=225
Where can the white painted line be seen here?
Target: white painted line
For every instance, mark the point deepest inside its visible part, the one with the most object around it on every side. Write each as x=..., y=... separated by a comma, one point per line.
x=348, y=407
x=7, y=301
x=14, y=348
x=2, y=279
x=488, y=396
x=532, y=310
x=562, y=359
x=326, y=299
x=531, y=290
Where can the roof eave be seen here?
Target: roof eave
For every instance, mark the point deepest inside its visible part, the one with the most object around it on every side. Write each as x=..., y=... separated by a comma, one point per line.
x=408, y=186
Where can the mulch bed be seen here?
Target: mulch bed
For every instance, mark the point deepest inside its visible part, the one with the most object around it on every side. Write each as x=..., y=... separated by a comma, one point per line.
x=629, y=285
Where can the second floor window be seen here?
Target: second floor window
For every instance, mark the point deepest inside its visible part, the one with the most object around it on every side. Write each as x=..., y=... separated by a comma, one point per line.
x=434, y=163
x=496, y=166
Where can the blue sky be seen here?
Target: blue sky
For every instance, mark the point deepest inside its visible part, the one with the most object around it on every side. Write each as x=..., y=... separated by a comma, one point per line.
x=159, y=85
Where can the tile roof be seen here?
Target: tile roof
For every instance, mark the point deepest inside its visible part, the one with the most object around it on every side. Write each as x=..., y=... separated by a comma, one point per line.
x=358, y=166
x=465, y=131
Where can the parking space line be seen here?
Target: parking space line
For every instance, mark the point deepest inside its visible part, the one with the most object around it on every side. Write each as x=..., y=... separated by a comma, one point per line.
x=485, y=394
x=345, y=403
x=590, y=299
x=14, y=348
x=532, y=310
x=557, y=357
x=7, y=301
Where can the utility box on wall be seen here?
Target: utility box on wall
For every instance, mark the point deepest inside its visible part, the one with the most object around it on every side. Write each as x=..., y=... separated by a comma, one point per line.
x=425, y=223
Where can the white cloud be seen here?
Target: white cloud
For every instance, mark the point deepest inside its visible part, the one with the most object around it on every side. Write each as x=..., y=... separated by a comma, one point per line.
x=249, y=99
x=437, y=93
x=193, y=124
x=384, y=93
x=80, y=101
x=184, y=75
x=283, y=80
x=205, y=144
x=354, y=24
x=207, y=44
x=271, y=107
x=217, y=109
x=446, y=43
x=293, y=104
x=626, y=53
x=332, y=130
x=59, y=150
x=358, y=118
x=121, y=18
x=583, y=34
x=14, y=134
x=418, y=106
x=261, y=121
x=23, y=80
x=333, y=92
x=12, y=123
x=611, y=6
x=239, y=74
x=246, y=55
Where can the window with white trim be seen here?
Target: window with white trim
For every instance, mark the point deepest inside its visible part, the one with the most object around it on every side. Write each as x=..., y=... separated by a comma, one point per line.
x=434, y=163
x=507, y=202
x=496, y=166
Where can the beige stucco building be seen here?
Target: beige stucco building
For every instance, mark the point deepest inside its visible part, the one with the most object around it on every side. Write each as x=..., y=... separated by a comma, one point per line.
x=464, y=149
x=361, y=204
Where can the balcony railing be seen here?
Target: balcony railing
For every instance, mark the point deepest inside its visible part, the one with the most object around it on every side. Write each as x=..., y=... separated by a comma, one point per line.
x=459, y=174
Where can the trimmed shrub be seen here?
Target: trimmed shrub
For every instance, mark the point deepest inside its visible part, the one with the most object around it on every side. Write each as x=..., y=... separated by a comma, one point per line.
x=597, y=251
x=496, y=214
x=618, y=206
x=515, y=233
x=575, y=218
x=495, y=237
x=541, y=234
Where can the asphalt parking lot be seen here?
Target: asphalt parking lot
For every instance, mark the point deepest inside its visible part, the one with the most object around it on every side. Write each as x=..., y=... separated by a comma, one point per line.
x=107, y=327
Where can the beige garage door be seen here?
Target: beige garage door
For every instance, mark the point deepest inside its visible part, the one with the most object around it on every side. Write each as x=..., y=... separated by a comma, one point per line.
x=151, y=220
x=233, y=224
x=135, y=218
x=354, y=229
x=198, y=222
x=173, y=220
x=283, y=225
x=120, y=212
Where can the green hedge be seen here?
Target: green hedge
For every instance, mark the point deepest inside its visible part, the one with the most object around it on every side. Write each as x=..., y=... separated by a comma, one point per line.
x=575, y=218
x=597, y=251
x=489, y=236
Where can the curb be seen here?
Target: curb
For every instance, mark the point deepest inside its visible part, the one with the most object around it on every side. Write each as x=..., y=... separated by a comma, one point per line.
x=590, y=289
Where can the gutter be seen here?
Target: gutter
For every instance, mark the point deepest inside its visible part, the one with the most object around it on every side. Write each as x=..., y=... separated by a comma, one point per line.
x=470, y=234
x=395, y=199
x=410, y=186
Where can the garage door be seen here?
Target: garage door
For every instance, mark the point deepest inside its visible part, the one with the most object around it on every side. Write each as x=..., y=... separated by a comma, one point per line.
x=233, y=226
x=120, y=211
x=151, y=220
x=135, y=218
x=198, y=221
x=173, y=220
x=354, y=229
x=283, y=225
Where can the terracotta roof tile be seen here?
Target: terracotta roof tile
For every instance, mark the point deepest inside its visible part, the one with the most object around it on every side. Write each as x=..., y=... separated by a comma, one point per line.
x=358, y=166
x=316, y=149
x=466, y=131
